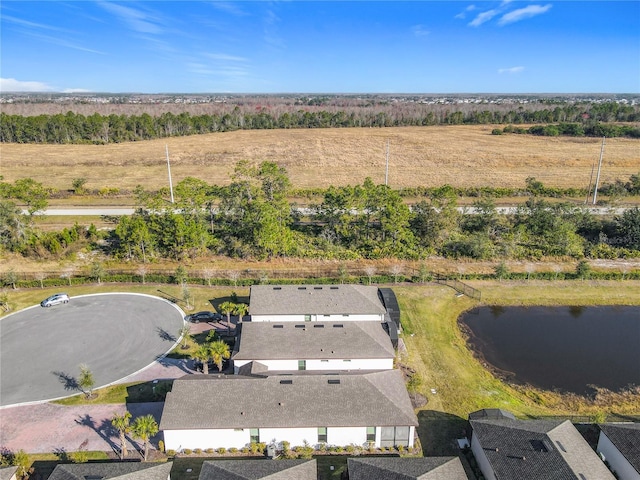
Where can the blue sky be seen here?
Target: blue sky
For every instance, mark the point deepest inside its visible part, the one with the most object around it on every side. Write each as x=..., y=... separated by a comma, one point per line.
x=321, y=47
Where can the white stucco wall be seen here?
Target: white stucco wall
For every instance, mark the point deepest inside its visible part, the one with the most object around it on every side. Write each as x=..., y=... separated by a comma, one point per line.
x=616, y=460
x=228, y=438
x=333, y=364
x=481, y=458
x=181, y=439
x=319, y=318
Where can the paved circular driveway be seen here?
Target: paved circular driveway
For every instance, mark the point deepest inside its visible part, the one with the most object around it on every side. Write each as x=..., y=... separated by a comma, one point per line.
x=115, y=335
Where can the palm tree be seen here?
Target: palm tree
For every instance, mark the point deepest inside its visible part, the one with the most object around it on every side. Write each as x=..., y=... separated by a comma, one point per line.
x=227, y=308
x=121, y=423
x=144, y=428
x=185, y=333
x=241, y=309
x=202, y=354
x=219, y=351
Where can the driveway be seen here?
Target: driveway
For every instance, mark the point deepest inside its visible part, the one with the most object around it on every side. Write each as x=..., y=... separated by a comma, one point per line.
x=115, y=335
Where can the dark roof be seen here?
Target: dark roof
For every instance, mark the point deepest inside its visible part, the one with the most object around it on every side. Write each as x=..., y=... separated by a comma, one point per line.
x=391, y=304
x=259, y=469
x=315, y=299
x=626, y=438
x=313, y=340
x=491, y=413
x=234, y=401
x=553, y=450
x=396, y=468
x=112, y=471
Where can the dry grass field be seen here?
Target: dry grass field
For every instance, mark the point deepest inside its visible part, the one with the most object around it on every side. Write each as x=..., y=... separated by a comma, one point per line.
x=418, y=156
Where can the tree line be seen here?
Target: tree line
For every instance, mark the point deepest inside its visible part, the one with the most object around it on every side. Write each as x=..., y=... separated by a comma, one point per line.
x=253, y=218
x=587, y=129
x=74, y=128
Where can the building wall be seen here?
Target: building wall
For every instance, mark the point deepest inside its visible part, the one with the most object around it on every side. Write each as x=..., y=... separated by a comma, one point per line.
x=619, y=464
x=319, y=318
x=334, y=364
x=228, y=438
x=481, y=458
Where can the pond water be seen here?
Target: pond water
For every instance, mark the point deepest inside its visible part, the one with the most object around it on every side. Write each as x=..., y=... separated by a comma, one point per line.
x=563, y=348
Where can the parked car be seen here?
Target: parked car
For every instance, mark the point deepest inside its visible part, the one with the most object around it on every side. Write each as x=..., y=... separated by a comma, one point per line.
x=55, y=300
x=204, y=317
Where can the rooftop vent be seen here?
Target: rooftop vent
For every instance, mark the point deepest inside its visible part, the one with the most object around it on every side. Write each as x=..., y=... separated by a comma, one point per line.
x=318, y=326
x=334, y=288
x=338, y=325
x=286, y=382
x=302, y=288
x=317, y=288
x=334, y=381
x=561, y=447
x=277, y=288
x=278, y=326
x=300, y=326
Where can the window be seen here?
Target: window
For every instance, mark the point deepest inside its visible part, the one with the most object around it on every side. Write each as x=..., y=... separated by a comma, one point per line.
x=324, y=360
x=394, y=436
x=346, y=360
x=254, y=435
x=307, y=318
x=302, y=364
x=371, y=434
x=322, y=434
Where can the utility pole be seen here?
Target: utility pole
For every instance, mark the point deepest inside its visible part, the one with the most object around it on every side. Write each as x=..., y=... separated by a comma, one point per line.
x=595, y=189
x=169, y=170
x=386, y=170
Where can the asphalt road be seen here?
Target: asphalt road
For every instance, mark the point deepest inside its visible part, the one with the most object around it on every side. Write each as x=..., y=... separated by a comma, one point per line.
x=115, y=335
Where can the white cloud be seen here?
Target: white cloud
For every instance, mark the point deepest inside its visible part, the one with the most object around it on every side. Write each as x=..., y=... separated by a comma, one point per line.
x=229, y=7
x=13, y=85
x=137, y=20
x=420, y=31
x=511, y=70
x=225, y=57
x=75, y=90
x=483, y=17
x=522, y=13
x=463, y=13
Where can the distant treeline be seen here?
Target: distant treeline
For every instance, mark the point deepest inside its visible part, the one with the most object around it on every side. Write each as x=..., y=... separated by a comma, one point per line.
x=590, y=129
x=113, y=128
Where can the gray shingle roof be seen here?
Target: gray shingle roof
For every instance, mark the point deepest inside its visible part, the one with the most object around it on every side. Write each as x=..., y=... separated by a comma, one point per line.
x=7, y=473
x=313, y=340
x=259, y=470
x=396, y=468
x=112, y=471
x=206, y=402
x=553, y=450
x=626, y=438
x=314, y=299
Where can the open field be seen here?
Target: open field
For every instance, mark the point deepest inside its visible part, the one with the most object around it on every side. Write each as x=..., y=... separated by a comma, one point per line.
x=418, y=156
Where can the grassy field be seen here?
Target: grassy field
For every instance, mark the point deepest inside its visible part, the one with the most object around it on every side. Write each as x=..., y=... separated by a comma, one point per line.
x=419, y=156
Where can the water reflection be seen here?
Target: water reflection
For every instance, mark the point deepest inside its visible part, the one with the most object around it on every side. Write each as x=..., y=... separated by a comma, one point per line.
x=565, y=348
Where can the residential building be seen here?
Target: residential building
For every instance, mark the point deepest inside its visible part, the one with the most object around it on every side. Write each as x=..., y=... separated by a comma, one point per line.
x=259, y=469
x=509, y=449
x=314, y=303
x=397, y=468
x=233, y=411
x=112, y=471
x=619, y=444
x=317, y=346
x=8, y=473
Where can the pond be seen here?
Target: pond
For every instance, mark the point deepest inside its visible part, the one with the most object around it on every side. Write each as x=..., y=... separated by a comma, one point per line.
x=558, y=348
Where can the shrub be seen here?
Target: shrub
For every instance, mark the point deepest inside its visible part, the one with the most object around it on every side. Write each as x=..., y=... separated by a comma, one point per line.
x=197, y=451
x=209, y=450
x=171, y=452
x=221, y=450
x=161, y=446
x=233, y=450
x=245, y=450
x=186, y=451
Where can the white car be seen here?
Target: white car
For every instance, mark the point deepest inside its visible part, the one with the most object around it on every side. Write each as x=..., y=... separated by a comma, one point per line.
x=55, y=300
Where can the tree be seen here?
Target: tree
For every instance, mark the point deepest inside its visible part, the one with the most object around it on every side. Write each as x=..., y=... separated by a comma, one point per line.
x=202, y=354
x=181, y=275
x=185, y=334
x=78, y=185
x=370, y=270
x=22, y=461
x=122, y=424
x=86, y=382
x=583, y=269
x=32, y=193
x=219, y=351
x=144, y=428
x=97, y=271
x=501, y=270
x=142, y=270
x=10, y=278
x=241, y=309
x=627, y=228
x=227, y=308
